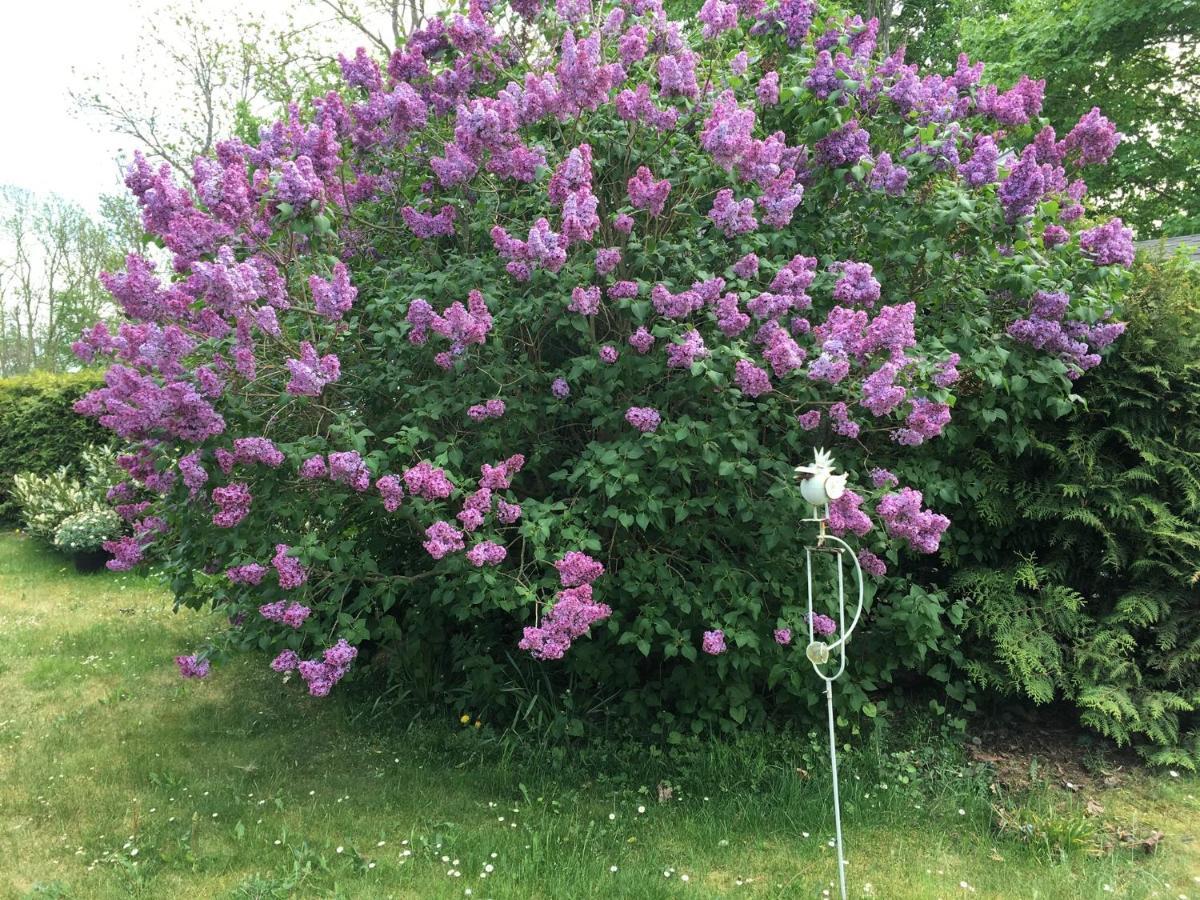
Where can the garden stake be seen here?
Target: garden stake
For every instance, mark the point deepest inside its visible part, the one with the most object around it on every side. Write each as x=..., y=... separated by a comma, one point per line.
x=820, y=487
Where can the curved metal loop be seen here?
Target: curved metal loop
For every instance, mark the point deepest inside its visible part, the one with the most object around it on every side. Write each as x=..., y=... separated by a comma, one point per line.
x=845, y=631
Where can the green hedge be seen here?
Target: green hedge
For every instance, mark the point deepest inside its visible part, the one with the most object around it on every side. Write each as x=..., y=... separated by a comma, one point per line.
x=38, y=429
x=1087, y=589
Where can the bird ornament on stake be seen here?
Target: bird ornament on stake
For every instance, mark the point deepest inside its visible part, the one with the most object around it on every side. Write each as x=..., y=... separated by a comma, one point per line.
x=819, y=486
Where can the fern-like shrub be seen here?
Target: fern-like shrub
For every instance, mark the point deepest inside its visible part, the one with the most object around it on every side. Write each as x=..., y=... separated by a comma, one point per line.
x=1084, y=588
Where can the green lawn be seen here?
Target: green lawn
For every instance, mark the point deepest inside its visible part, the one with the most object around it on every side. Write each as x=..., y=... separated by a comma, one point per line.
x=118, y=779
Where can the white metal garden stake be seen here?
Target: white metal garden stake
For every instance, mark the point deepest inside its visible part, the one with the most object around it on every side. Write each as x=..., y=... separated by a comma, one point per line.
x=819, y=487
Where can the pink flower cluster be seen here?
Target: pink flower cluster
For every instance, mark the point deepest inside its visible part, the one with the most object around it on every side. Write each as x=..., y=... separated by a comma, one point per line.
x=310, y=373
x=486, y=553
x=442, y=539
x=232, y=502
x=713, y=642
x=462, y=325
x=427, y=481
x=250, y=573
x=648, y=194
x=319, y=674
x=1075, y=343
x=251, y=450
x=904, y=519
x=391, y=491
x=822, y=624
x=574, y=611
x=192, y=667
x=291, y=571
x=643, y=418
x=424, y=225
x=333, y=299
x=291, y=614
x=490, y=409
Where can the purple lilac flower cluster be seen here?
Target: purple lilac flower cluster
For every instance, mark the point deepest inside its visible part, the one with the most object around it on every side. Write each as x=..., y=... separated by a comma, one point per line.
x=1075, y=343
x=310, y=373
x=192, y=667
x=232, y=502
x=713, y=642
x=822, y=624
x=643, y=418
x=574, y=611
x=489, y=409
x=319, y=674
x=391, y=490
x=428, y=482
x=250, y=573
x=291, y=571
x=903, y=518
x=486, y=553
x=290, y=614
x=462, y=325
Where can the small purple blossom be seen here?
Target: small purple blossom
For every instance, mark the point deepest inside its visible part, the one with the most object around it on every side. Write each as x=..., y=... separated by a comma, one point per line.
x=641, y=341
x=486, y=553
x=291, y=572
x=643, y=418
x=871, y=564
x=1108, y=244
x=714, y=642
x=192, y=666
x=747, y=266
x=428, y=482
x=809, y=420
x=442, y=539
x=750, y=379
x=822, y=624
x=391, y=491
x=491, y=409
x=313, y=467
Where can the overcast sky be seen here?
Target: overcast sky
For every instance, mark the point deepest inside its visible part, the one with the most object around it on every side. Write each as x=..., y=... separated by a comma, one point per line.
x=47, y=147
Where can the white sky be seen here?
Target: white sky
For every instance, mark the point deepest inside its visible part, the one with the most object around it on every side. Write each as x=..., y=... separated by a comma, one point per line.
x=47, y=147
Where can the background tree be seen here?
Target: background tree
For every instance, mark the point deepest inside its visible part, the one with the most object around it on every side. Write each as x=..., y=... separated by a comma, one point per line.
x=53, y=252
x=385, y=23
x=1140, y=62
x=198, y=79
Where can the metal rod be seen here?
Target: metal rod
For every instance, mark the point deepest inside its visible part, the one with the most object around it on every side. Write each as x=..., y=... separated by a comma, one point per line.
x=821, y=487
x=808, y=567
x=837, y=802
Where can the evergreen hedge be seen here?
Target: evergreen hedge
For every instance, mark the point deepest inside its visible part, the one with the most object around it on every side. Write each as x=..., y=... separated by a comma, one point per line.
x=1088, y=591
x=39, y=431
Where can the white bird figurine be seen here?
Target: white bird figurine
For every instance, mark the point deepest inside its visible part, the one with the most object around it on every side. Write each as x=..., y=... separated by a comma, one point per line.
x=821, y=485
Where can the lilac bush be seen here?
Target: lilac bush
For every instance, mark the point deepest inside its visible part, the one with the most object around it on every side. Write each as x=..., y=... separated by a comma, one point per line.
x=503, y=354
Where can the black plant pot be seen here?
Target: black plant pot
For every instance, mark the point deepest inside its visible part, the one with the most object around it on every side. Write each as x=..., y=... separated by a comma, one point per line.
x=89, y=561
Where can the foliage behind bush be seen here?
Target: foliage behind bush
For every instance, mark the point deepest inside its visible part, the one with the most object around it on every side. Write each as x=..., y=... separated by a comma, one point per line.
x=1087, y=591
x=39, y=431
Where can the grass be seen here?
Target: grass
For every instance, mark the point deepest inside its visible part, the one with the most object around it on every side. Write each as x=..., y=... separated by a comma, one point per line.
x=118, y=779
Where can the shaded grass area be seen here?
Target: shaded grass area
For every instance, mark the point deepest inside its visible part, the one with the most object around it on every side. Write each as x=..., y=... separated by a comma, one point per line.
x=118, y=779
